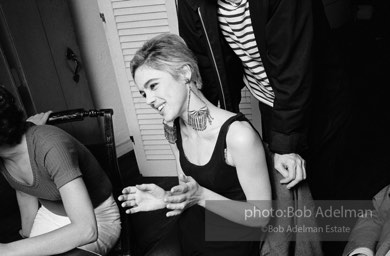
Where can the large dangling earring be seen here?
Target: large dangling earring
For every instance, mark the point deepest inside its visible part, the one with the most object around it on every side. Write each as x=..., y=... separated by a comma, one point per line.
x=197, y=119
x=170, y=133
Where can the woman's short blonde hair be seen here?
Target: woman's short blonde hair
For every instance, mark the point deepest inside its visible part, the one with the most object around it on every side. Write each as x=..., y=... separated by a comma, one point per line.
x=167, y=52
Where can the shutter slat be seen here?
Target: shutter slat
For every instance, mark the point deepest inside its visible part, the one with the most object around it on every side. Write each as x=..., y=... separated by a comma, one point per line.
x=146, y=17
x=143, y=30
x=163, y=157
x=156, y=142
x=148, y=116
x=132, y=45
x=151, y=126
x=158, y=152
x=152, y=137
x=136, y=3
x=145, y=111
x=140, y=10
x=139, y=100
x=151, y=121
x=136, y=38
x=157, y=147
x=154, y=131
x=143, y=24
x=141, y=105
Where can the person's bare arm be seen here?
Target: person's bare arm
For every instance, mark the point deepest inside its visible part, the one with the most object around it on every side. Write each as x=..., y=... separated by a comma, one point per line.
x=82, y=229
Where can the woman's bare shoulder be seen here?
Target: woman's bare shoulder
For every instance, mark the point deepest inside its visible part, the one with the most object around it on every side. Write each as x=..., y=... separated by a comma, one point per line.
x=242, y=135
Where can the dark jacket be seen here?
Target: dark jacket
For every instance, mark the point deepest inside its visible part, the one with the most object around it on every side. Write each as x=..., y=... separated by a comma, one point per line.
x=284, y=31
x=373, y=232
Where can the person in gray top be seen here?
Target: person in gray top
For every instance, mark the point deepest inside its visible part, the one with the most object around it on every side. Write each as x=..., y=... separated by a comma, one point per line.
x=63, y=194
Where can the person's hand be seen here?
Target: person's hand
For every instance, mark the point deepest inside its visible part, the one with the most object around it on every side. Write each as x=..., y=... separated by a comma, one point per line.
x=184, y=195
x=142, y=198
x=292, y=167
x=40, y=118
x=21, y=234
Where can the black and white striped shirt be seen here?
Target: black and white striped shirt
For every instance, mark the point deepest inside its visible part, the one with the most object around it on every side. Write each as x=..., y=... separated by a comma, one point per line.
x=236, y=25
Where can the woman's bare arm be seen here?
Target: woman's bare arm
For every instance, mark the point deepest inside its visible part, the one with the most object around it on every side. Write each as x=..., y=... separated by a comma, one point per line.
x=82, y=229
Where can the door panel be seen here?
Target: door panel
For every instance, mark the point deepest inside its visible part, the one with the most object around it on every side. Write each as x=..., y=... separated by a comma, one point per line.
x=6, y=77
x=34, y=52
x=11, y=74
x=42, y=31
x=57, y=23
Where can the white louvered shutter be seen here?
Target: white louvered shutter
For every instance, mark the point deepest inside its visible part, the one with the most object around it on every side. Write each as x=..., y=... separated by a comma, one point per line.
x=128, y=25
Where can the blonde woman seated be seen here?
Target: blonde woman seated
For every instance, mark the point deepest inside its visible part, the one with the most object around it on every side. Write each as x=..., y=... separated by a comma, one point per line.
x=220, y=157
x=63, y=194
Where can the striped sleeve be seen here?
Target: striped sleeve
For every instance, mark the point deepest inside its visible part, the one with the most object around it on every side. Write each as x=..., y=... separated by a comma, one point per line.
x=236, y=26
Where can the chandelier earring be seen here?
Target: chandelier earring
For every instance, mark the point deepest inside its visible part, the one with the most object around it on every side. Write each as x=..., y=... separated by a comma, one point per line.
x=170, y=133
x=197, y=119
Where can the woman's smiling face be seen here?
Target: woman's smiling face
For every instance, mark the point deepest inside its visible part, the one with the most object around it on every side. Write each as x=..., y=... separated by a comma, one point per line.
x=162, y=91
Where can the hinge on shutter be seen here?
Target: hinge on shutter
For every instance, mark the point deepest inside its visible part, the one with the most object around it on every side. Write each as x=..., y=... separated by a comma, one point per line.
x=132, y=139
x=102, y=17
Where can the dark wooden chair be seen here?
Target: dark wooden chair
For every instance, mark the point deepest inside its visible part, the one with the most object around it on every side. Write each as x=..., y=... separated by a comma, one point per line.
x=105, y=152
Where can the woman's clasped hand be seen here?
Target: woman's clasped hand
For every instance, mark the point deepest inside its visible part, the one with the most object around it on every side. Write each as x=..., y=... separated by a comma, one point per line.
x=149, y=197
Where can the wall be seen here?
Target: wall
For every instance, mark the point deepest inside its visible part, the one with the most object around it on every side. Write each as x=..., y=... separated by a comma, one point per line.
x=99, y=67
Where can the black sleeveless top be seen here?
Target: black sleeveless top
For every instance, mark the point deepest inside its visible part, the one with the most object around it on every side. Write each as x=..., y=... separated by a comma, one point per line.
x=221, y=178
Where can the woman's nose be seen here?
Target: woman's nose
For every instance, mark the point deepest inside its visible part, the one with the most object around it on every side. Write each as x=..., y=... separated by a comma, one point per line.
x=150, y=98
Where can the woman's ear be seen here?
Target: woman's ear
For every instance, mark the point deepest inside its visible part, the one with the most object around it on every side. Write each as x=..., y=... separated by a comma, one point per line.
x=186, y=72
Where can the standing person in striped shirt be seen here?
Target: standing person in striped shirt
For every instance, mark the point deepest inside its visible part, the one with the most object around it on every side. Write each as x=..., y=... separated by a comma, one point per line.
x=281, y=50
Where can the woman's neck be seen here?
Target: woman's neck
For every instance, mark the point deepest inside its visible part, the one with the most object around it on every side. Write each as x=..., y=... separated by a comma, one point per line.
x=15, y=152
x=195, y=102
x=189, y=130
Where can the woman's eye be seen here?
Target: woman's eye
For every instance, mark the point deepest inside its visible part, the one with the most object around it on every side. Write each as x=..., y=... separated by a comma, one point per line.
x=153, y=87
x=143, y=94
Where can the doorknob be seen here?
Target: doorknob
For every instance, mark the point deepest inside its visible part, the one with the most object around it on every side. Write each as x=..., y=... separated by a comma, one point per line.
x=70, y=55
